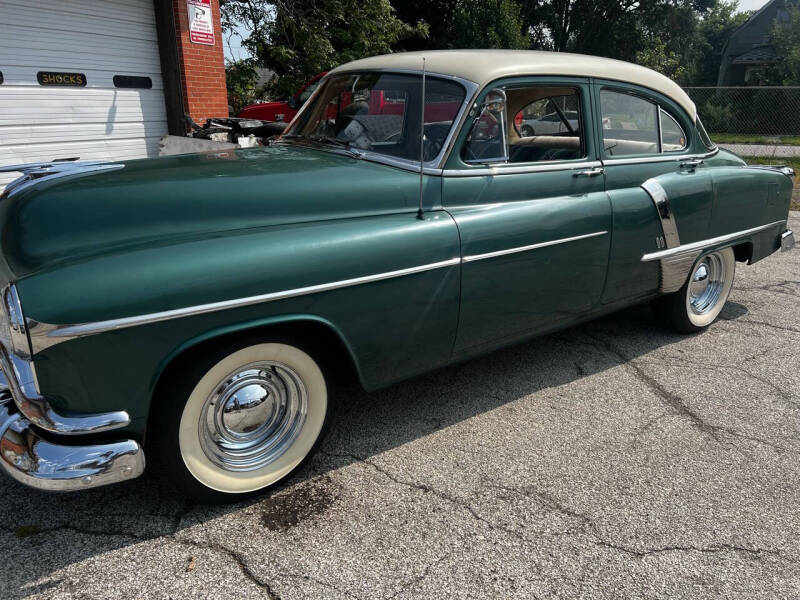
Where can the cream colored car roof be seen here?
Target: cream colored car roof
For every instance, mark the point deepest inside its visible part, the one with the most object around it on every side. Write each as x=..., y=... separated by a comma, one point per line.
x=483, y=66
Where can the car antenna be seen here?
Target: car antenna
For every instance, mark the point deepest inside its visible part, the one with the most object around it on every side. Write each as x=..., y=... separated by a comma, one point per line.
x=421, y=140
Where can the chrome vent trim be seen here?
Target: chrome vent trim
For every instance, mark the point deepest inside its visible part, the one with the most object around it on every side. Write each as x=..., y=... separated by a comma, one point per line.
x=668, y=225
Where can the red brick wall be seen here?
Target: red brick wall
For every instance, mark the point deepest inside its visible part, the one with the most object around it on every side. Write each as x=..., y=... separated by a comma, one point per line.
x=202, y=68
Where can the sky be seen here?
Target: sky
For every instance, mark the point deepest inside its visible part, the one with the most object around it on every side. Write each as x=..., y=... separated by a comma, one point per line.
x=234, y=50
x=751, y=4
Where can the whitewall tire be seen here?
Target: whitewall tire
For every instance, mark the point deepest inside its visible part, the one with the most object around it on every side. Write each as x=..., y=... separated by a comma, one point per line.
x=243, y=420
x=701, y=299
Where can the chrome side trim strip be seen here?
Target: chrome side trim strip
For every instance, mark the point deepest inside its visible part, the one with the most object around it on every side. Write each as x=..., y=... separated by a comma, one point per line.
x=658, y=158
x=486, y=255
x=512, y=169
x=41, y=330
x=705, y=243
x=668, y=225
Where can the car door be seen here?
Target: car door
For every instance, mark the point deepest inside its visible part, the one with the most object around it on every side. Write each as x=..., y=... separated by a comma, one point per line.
x=535, y=231
x=646, y=147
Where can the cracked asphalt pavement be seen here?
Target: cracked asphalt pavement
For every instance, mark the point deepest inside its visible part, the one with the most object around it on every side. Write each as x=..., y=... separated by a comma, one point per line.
x=611, y=460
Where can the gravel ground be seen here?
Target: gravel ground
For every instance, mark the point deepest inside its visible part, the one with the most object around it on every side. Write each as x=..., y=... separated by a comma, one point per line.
x=612, y=460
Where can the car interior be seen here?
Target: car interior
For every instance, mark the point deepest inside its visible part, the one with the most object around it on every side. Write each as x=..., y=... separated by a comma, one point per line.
x=533, y=134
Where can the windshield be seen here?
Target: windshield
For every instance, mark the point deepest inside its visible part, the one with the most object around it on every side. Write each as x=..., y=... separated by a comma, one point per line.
x=380, y=112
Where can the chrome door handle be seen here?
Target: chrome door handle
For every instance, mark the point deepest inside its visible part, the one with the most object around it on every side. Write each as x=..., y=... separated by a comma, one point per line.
x=691, y=164
x=589, y=172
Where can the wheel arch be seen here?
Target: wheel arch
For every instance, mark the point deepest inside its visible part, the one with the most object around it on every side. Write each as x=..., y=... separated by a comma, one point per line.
x=331, y=345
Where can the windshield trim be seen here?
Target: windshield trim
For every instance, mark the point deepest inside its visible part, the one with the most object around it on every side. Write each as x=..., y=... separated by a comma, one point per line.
x=433, y=166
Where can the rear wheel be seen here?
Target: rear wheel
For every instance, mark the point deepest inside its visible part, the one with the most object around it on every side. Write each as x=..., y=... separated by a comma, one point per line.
x=698, y=303
x=241, y=420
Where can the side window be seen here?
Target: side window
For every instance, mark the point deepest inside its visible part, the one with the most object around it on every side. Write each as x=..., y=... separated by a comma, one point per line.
x=549, y=116
x=546, y=126
x=673, y=138
x=630, y=124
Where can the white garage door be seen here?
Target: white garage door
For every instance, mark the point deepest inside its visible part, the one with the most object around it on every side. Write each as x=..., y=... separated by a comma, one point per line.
x=114, y=45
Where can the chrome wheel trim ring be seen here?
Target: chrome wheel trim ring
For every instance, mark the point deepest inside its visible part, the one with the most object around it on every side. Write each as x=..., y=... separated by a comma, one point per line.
x=706, y=284
x=253, y=416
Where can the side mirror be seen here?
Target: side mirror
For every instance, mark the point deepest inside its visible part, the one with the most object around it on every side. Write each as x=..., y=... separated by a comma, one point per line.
x=491, y=114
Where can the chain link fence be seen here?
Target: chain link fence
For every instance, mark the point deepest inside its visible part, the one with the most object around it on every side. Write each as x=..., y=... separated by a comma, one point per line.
x=752, y=121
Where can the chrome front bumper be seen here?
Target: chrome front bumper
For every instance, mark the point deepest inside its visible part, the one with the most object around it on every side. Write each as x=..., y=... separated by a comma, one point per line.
x=787, y=240
x=42, y=464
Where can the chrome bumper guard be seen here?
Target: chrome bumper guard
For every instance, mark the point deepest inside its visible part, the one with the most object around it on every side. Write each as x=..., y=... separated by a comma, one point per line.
x=19, y=378
x=787, y=240
x=44, y=465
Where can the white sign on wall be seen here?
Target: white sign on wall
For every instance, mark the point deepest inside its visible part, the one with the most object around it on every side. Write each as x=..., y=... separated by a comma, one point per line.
x=201, y=24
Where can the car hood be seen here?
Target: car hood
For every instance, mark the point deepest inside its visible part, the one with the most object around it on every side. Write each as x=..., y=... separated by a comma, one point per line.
x=166, y=200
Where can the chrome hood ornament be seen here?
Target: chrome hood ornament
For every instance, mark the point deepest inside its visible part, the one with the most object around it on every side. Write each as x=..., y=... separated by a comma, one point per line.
x=62, y=167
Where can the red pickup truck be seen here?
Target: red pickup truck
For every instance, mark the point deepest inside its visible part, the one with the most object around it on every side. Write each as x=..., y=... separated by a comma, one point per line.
x=281, y=112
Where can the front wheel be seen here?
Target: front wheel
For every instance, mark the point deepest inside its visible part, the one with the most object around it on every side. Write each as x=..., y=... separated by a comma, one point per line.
x=240, y=421
x=698, y=303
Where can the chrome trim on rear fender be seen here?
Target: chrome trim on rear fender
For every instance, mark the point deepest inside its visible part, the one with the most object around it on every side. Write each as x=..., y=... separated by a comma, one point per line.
x=707, y=243
x=784, y=169
x=668, y=225
x=44, y=465
x=676, y=262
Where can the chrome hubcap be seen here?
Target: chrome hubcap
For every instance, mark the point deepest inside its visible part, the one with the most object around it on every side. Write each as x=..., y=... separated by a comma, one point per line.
x=253, y=416
x=707, y=283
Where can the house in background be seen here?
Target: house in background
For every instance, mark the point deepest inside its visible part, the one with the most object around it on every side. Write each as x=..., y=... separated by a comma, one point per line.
x=748, y=52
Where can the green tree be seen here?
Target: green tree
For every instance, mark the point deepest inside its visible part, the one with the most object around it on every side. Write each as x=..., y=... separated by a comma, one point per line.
x=785, y=39
x=241, y=76
x=437, y=15
x=488, y=24
x=464, y=24
x=300, y=38
x=656, y=56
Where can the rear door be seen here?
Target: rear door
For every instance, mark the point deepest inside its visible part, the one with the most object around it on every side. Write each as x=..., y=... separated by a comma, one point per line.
x=647, y=157
x=535, y=232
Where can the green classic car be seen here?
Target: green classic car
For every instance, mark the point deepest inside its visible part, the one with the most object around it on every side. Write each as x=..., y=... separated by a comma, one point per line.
x=198, y=307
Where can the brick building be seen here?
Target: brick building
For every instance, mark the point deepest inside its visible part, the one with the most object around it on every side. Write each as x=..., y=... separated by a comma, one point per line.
x=105, y=80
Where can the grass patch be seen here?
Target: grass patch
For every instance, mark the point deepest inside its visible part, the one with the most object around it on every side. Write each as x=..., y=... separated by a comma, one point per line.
x=791, y=162
x=748, y=138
